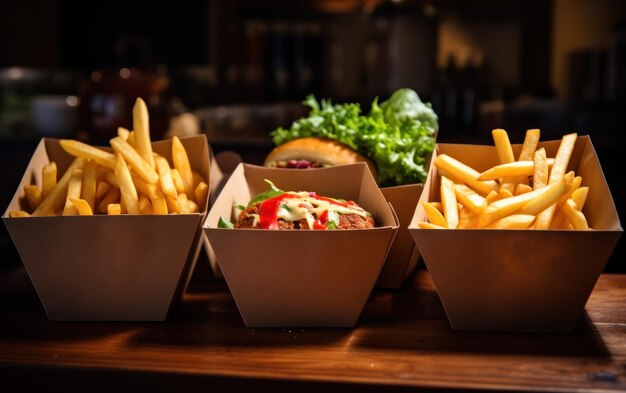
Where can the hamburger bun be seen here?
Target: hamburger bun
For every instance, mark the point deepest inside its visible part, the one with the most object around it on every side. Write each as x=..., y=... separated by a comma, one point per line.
x=325, y=152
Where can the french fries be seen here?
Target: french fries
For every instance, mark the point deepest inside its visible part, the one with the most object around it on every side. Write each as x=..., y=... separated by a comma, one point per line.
x=183, y=203
x=448, y=200
x=131, y=138
x=181, y=163
x=136, y=161
x=83, y=150
x=492, y=197
x=141, y=125
x=112, y=196
x=540, y=169
x=129, y=180
x=157, y=198
x=556, y=174
x=531, y=140
x=423, y=225
x=515, y=168
x=123, y=133
x=469, y=198
x=74, y=188
x=82, y=207
x=506, y=206
x=114, y=209
x=502, y=197
x=33, y=195
x=48, y=178
x=58, y=195
x=575, y=215
x=90, y=183
x=165, y=177
x=434, y=215
x=178, y=181
x=101, y=189
x=145, y=206
x=552, y=194
x=201, y=192
x=18, y=213
x=514, y=221
x=505, y=155
x=467, y=218
x=522, y=188
x=127, y=187
x=464, y=173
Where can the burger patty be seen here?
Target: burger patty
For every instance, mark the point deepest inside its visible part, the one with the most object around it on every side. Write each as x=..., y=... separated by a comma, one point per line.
x=296, y=164
x=346, y=221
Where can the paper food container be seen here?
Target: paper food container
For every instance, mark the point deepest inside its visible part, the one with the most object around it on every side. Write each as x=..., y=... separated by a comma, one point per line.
x=126, y=267
x=217, y=178
x=403, y=254
x=303, y=278
x=519, y=280
x=222, y=166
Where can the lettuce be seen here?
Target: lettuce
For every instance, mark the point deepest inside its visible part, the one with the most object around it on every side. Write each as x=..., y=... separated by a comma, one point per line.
x=397, y=135
x=271, y=193
x=225, y=224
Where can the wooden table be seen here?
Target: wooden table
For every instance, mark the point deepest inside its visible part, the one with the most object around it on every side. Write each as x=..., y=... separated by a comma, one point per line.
x=403, y=342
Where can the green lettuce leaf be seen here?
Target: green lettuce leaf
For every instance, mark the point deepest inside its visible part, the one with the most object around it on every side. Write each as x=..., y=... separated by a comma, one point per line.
x=271, y=193
x=224, y=223
x=405, y=105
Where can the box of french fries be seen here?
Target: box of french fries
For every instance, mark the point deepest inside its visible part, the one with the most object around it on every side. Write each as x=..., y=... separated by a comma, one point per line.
x=516, y=236
x=111, y=233
x=300, y=277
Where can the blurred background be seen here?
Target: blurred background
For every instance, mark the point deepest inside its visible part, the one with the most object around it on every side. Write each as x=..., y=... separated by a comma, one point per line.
x=236, y=70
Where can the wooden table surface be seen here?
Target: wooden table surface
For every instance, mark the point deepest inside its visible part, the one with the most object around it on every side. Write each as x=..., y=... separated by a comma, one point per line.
x=403, y=342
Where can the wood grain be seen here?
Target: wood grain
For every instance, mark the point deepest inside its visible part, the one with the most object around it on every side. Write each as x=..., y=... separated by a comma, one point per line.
x=403, y=341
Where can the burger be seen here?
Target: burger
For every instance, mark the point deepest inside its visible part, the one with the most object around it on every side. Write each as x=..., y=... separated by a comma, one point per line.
x=312, y=152
x=279, y=210
x=395, y=139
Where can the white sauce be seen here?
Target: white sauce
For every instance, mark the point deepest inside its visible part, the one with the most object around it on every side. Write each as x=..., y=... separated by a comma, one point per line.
x=304, y=207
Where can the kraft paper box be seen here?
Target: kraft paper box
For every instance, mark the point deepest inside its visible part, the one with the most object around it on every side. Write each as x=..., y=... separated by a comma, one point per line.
x=403, y=254
x=519, y=280
x=216, y=179
x=126, y=267
x=222, y=166
x=303, y=278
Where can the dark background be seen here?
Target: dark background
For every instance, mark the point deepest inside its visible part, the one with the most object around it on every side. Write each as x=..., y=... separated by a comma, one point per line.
x=70, y=68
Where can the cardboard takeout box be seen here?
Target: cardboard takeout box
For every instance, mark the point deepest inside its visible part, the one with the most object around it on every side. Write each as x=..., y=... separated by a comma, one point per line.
x=222, y=166
x=301, y=277
x=403, y=254
x=519, y=280
x=127, y=267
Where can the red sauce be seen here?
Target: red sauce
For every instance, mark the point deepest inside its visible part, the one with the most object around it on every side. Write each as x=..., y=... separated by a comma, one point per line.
x=268, y=213
x=320, y=223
